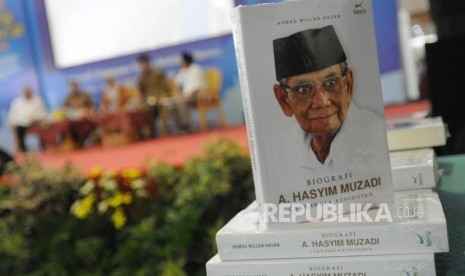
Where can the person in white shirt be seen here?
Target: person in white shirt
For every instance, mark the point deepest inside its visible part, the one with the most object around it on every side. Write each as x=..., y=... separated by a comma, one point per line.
x=25, y=111
x=190, y=81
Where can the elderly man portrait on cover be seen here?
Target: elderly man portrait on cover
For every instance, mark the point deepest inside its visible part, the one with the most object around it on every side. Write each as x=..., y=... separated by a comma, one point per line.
x=315, y=86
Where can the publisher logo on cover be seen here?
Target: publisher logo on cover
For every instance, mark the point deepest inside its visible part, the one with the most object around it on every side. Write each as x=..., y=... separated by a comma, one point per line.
x=425, y=239
x=413, y=272
x=359, y=8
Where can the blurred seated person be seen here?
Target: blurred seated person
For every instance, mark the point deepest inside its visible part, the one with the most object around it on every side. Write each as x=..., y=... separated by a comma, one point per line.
x=115, y=97
x=78, y=104
x=190, y=81
x=25, y=111
x=153, y=88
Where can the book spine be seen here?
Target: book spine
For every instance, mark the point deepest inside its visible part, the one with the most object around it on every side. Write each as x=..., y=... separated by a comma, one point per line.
x=239, y=36
x=401, y=265
x=420, y=176
x=409, y=238
x=433, y=134
x=414, y=169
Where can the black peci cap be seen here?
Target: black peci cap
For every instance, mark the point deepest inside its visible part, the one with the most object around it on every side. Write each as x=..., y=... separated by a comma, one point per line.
x=307, y=51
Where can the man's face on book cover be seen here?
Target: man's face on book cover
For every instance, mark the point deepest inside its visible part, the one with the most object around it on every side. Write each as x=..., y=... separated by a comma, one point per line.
x=318, y=100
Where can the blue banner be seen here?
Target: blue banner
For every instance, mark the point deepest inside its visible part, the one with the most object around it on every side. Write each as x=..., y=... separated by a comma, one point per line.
x=17, y=70
x=16, y=63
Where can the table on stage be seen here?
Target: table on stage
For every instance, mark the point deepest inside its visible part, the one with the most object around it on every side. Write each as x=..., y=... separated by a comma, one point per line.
x=123, y=128
x=115, y=128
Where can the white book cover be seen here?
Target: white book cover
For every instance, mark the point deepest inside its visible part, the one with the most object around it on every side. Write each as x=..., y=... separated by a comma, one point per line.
x=390, y=265
x=418, y=227
x=412, y=133
x=414, y=169
x=312, y=101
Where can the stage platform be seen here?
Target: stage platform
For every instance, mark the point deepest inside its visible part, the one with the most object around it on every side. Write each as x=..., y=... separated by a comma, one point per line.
x=174, y=150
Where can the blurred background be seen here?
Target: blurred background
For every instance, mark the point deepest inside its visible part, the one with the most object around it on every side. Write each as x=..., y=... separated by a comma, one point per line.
x=132, y=190
x=47, y=43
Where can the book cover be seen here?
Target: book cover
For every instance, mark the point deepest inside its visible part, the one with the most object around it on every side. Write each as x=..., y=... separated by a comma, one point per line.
x=389, y=265
x=418, y=227
x=412, y=133
x=312, y=102
x=414, y=169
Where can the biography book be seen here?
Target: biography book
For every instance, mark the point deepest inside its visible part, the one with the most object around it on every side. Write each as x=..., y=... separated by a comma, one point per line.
x=414, y=169
x=413, y=133
x=388, y=265
x=312, y=102
x=418, y=227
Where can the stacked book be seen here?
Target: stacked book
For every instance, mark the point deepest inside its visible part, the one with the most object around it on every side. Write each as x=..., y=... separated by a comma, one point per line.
x=413, y=160
x=412, y=132
x=325, y=199
x=403, y=247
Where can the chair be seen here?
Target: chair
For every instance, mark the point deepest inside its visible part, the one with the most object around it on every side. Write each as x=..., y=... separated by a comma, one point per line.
x=210, y=98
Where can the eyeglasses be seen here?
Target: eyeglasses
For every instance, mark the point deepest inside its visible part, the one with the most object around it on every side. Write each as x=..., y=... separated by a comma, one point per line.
x=306, y=90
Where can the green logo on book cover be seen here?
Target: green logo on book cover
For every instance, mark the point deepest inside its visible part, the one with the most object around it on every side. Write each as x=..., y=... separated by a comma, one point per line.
x=418, y=179
x=425, y=239
x=359, y=8
x=413, y=272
